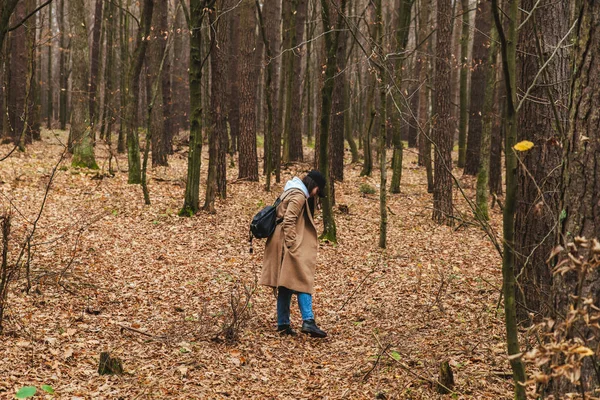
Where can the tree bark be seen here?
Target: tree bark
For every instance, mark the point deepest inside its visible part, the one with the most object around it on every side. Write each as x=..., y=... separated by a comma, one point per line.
x=542, y=122
x=17, y=70
x=464, y=88
x=487, y=126
x=49, y=80
x=81, y=134
x=217, y=168
x=401, y=39
x=160, y=111
x=331, y=38
x=180, y=77
x=382, y=130
x=248, y=158
x=234, y=79
x=338, y=112
x=192, y=187
x=509, y=50
x=479, y=68
x=444, y=123
x=63, y=75
x=580, y=197
x=95, y=63
x=133, y=94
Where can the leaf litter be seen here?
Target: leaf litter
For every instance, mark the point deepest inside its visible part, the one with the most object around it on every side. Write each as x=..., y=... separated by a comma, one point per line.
x=112, y=274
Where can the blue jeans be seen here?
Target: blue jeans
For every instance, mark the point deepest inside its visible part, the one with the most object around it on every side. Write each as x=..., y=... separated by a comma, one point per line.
x=284, y=299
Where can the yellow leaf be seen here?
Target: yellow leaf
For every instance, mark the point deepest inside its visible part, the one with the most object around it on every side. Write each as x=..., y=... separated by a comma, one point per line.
x=523, y=146
x=583, y=351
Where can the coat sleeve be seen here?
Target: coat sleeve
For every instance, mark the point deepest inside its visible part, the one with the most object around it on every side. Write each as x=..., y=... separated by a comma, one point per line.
x=292, y=213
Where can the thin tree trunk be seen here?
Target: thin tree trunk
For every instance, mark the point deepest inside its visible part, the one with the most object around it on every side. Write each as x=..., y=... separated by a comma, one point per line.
x=64, y=76
x=423, y=114
x=248, y=158
x=133, y=95
x=192, y=187
x=498, y=128
x=464, y=89
x=160, y=113
x=487, y=126
x=444, y=124
x=216, y=153
x=401, y=41
x=50, y=83
x=382, y=131
x=508, y=48
x=338, y=112
x=81, y=135
x=272, y=14
x=269, y=94
x=234, y=79
x=331, y=38
x=479, y=68
x=17, y=69
x=95, y=63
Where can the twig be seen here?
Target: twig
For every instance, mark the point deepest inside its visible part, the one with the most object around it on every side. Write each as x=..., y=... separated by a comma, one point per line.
x=359, y=286
x=413, y=373
x=127, y=328
x=377, y=361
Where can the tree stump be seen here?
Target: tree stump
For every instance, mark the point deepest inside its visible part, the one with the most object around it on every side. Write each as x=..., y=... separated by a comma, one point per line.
x=446, y=379
x=109, y=365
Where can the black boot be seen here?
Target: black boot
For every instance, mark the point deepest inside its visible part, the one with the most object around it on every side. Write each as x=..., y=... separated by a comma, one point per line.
x=310, y=327
x=286, y=330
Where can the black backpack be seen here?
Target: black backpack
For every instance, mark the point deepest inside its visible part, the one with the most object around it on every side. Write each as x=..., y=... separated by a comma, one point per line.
x=264, y=222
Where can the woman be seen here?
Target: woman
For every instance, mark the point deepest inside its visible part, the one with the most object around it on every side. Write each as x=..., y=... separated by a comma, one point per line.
x=291, y=253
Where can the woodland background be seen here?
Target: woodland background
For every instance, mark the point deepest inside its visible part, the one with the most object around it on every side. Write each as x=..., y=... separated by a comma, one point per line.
x=460, y=139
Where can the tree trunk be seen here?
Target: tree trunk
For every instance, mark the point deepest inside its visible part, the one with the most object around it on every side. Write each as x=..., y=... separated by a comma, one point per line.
x=331, y=38
x=108, y=119
x=382, y=131
x=296, y=146
x=248, y=158
x=123, y=70
x=63, y=75
x=444, y=124
x=133, y=95
x=542, y=122
x=49, y=80
x=234, y=79
x=272, y=20
x=423, y=113
x=95, y=63
x=488, y=113
x=17, y=70
x=509, y=51
x=464, y=80
x=216, y=180
x=180, y=77
x=81, y=134
x=192, y=187
x=6, y=11
x=338, y=112
x=160, y=113
x=498, y=128
x=401, y=39
x=579, y=192
x=479, y=67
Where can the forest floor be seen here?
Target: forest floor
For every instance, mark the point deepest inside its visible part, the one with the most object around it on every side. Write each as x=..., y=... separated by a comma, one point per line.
x=109, y=273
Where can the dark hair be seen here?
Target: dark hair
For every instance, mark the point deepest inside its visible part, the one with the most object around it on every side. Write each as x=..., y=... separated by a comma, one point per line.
x=309, y=183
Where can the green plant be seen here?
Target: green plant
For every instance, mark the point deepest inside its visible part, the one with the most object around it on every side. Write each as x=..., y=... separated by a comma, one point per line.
x=365, y=188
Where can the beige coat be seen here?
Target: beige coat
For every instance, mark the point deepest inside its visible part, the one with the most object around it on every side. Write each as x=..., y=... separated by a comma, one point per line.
x=291, y=251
